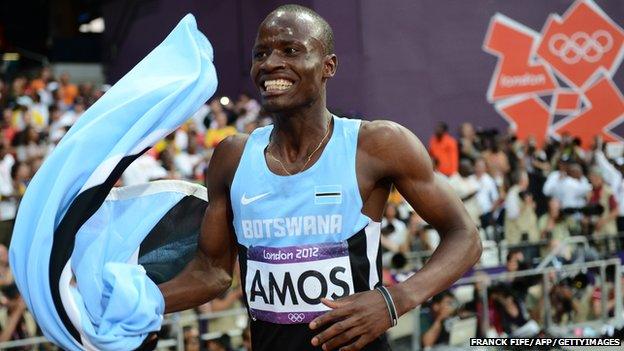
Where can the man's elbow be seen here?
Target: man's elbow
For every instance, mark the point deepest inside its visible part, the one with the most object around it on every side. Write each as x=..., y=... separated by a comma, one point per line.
x=224, y=282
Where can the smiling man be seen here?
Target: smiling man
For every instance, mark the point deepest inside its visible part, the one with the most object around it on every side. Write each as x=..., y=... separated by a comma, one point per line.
x=299, y=202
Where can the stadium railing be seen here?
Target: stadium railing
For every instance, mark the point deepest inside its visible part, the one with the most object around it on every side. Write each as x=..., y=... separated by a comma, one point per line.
x=177, y=321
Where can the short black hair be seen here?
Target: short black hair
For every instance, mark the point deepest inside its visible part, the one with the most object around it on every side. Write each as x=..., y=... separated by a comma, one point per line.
x=327, y=33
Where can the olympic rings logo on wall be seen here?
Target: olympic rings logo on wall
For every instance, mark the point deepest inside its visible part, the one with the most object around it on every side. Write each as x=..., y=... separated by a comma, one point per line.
x=583, y=48
x=580, y=46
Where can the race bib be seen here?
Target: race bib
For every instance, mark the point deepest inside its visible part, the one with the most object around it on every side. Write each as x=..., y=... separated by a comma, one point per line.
x=285, y=284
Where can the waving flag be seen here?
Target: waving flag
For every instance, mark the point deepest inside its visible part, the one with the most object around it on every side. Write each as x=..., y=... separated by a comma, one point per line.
x=87, y=260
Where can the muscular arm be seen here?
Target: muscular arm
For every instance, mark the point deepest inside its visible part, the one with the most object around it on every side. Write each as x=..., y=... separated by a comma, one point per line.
x=398, y=156
x=389, y=153
x=209, y=274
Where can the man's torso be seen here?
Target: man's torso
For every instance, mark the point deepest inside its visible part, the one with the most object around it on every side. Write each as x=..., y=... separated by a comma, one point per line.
x=302, y=237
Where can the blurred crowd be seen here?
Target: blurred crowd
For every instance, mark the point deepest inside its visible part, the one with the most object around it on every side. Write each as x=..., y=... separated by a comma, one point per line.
x=527, y=199
x=537, y=205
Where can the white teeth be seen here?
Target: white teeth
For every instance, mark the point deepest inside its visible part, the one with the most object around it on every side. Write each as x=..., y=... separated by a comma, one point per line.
x=277, y=84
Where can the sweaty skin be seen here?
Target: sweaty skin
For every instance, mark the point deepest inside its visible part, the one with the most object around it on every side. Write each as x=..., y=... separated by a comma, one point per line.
x=289, y=47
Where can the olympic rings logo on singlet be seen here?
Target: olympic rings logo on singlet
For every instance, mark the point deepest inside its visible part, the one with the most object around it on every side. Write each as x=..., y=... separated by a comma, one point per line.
x=284, y=285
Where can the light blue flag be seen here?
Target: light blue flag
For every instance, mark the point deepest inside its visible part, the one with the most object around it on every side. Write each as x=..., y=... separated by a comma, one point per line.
x=87, y=262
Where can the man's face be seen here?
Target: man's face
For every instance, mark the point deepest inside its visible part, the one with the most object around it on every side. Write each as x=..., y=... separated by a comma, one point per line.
x=289, y=65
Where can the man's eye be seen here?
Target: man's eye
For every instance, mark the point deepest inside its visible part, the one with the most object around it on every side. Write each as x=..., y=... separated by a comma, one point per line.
x=260, y=55
x=290, y=51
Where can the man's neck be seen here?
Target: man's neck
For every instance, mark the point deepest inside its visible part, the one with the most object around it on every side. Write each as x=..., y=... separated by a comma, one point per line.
x=297, y=132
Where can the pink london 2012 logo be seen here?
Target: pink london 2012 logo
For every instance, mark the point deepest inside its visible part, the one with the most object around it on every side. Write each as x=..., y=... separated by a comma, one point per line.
x=583, y=48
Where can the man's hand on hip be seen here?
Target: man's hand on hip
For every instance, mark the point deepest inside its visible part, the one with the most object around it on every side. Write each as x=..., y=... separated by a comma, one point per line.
x=353, y=322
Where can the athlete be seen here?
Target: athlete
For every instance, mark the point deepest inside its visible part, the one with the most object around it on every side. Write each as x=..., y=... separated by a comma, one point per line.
x=300, y=202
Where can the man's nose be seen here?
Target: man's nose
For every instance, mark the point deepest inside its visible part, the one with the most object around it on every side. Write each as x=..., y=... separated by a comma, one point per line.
x=273, y=61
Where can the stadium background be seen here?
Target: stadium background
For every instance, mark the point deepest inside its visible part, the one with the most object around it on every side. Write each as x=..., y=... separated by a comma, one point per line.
x=419, y=63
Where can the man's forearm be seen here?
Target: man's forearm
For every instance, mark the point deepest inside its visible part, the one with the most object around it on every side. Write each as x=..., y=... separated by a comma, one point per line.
x=197, y=284
x=458, y=251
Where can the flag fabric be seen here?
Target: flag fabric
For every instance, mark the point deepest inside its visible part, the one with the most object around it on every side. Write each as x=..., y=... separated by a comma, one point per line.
x=87, y=259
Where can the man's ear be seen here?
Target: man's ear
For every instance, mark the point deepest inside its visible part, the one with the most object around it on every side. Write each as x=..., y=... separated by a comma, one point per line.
x=330, y=64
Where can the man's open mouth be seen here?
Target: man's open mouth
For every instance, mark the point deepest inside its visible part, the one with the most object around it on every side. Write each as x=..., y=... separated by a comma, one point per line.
x=277, y=85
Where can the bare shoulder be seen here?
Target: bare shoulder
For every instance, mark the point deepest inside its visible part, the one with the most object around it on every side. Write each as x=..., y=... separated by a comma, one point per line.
x=380, y=128
x=226, y=157
x=391, y=146
x=233, y=144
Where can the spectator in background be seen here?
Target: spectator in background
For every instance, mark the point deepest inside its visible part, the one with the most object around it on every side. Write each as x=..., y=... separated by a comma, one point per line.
x=191, y=338
x=247, y=110
x=508, y=308
x=554, y=226
x=72, y=114
x=601, y=195
x=28, y=145
x=6, y=276
x=67, y=91
x=417, y=234
x=214, y=107
x=8, y=199
x=40, y=115
x=466, y=186
x=188, y=160
x=222, y=343
x=596, y=298
x=393, y=233
x=515, y=261
x=613, y=177
x=434, y=328
x=535, y=162
x=57, y=127
x=13, y=327
x=568, y=185
x=20, y=175
x=42, y=86
x=496, y=160
x=246, y=336
x=7, y=130
x=487, y=195
x=520, y=218
x=41, y=82
x=443, y=147
x=469, y=143
x=520, y=285
x=18, y=89
x=220, y=131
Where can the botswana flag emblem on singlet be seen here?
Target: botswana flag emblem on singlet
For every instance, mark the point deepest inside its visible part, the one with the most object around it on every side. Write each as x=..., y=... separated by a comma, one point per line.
x=328, y=194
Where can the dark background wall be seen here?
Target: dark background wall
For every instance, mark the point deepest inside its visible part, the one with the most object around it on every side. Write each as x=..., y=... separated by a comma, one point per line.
x=414, y=62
